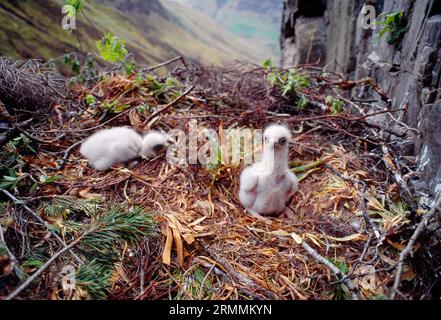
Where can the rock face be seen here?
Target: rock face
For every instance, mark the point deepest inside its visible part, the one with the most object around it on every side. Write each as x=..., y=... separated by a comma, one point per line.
x=303, y=37
x=409, y=71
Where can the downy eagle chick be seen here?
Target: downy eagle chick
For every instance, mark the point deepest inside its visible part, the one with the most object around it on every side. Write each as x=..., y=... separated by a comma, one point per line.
x=107, y=147
x=266, y=186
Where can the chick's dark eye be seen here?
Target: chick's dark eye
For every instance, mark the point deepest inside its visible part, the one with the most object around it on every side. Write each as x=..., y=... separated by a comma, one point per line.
x=282, y=140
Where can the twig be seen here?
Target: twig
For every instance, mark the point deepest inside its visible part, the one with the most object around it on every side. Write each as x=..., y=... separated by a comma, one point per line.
x=30, y=136
x=62, y=162
x=246, y=283
x=28, y=281
x=163, y=64
x=331, y=116
x=339, y=274
x=201, y=290
x=16, y=201
x=408, y=250
x=105, y=122
x=12, y=258
x=169, y=105
x=397, y=175
x=229, y=278
x=362, y=201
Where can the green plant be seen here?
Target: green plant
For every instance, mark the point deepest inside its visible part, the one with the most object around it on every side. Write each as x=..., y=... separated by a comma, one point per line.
x=74, y=7
x=90, y=100
x=195, y=284
x=267, y=64
x=112, y=49
x=12, y=164
x=290, y=81
x=22, y=144
x=71, y=61
x=110, y=228
x=143, y=108
x=115, y=106
x=3, y=251
x=130, y=67
x=94, y=278
x=90, y=70
x=11, y=181
x=336, y=105
x=302, y=102
x=395, y=24
x=42, y=180
x=32, y=263
x=341, y=265
x=104, y=231
x=160, y=87
x=341, y=291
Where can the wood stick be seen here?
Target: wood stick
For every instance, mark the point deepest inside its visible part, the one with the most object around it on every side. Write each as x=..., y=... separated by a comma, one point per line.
x=28, y=281
x=247, y=284
x=408, y=250
x=336, y=271
x=366, y=217
x=61, y=241
x=169, y=105
x=163, y=64
x=13, y=260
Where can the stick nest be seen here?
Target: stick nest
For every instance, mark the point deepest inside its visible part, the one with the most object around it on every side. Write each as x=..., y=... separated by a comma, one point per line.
x=209, y=248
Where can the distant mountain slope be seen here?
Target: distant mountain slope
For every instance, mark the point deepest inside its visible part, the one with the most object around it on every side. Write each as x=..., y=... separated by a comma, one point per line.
x=256, y=20
x=154, y=30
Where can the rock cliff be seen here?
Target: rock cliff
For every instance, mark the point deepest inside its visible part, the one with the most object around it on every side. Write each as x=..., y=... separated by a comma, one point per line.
x=409, y=70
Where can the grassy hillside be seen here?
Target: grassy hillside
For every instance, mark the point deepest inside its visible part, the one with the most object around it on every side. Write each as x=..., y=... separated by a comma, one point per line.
x=154, y=30
x=252, y=20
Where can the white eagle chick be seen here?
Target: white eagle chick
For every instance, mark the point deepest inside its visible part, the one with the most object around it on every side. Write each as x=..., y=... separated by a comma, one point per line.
x=107, y=147
x=266, y=186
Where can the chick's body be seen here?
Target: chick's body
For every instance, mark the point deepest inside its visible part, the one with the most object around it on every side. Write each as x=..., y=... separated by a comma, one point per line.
x=110, y=146
x=268, y=193
x=107, y=147
x=266, y=186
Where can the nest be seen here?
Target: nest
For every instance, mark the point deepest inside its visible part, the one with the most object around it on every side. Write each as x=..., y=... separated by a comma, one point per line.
x=28, y=85
x=209, y=247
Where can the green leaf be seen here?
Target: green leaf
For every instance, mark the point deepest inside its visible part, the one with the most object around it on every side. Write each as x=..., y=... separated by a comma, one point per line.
x=71, y=11
x=302, y=103
x=74, y=7
x=120, y=108
x=341, y=265
x=111, y=48
x=273, y=78
x=395, y=24
x=32, y=263
x=130, y=67
x=72, y=61
x=267, y=64
x=46, y=179
x=90, y=100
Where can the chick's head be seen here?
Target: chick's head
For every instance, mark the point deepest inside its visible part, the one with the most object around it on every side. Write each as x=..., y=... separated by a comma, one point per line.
x=153, y=144
x=276, y=137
